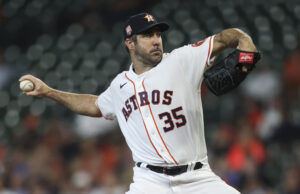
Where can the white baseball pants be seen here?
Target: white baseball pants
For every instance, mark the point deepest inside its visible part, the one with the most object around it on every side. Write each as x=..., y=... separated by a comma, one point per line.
x=201, y=181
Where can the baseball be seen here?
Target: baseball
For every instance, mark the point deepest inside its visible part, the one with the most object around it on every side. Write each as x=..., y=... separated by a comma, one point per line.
x=26, y=86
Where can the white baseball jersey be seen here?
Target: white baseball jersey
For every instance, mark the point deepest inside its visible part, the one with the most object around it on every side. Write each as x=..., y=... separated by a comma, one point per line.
x=160, y=111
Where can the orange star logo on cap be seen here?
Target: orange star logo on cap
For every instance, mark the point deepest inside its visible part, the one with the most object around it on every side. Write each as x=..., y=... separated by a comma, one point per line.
x=149, y=18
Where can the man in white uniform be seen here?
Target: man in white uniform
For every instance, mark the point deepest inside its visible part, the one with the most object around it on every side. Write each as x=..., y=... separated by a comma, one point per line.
x=157, y=103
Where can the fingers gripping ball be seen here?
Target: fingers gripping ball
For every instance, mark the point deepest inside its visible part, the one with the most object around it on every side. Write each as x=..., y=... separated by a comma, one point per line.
x=26, y=86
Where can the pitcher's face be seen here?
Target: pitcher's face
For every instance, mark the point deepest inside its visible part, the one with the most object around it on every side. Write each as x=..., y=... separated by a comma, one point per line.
x=148, y=47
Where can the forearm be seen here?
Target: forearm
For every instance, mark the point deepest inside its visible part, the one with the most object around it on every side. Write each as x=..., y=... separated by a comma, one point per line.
x=233, y=38
x=83, y=104
x=245, y=42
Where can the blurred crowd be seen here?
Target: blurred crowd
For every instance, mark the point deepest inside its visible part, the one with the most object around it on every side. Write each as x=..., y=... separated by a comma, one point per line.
x=252, y=133
x=56, y=161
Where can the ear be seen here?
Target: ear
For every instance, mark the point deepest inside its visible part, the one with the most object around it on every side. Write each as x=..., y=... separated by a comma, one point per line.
x=129, y=43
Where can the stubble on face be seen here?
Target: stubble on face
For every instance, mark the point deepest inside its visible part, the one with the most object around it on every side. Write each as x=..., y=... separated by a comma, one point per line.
x=148, y=57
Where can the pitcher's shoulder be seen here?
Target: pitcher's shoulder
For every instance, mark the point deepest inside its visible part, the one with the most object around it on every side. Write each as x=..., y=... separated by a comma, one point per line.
x=119, y=78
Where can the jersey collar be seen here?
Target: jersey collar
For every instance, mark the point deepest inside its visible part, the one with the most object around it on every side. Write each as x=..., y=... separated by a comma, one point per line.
x=134, y=75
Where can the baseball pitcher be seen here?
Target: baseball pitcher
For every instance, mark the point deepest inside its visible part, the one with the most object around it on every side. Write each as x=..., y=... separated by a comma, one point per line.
x=158, y=106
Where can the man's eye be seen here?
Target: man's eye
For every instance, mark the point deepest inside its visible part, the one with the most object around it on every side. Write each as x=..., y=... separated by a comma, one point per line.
x=148, y=35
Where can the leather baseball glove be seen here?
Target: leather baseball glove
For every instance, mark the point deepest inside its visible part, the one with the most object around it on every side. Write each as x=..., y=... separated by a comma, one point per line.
x=229, y=72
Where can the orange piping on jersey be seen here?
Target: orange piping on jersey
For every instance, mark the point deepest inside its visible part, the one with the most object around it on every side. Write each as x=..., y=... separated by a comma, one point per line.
x=199, y=43
x=208, y=55
x=142, y=116
x=101, y=112
x=157, y=128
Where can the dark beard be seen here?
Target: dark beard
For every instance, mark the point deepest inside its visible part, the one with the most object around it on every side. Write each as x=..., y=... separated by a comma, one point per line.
x=146, y=57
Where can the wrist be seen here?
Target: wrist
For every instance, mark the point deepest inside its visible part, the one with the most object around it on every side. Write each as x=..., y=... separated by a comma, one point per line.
x=246, y=44
x=49, y=92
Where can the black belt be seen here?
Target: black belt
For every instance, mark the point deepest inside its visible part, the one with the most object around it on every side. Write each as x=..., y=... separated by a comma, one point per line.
x=174, y=170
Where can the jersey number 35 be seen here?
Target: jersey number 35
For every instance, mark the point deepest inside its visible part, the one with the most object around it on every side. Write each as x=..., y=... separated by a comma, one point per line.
x=180, y=119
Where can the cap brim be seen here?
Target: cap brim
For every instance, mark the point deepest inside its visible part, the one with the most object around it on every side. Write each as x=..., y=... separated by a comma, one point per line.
x=162, y=27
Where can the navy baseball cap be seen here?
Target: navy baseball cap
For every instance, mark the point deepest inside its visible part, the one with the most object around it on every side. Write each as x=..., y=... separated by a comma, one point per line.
x=140, y=23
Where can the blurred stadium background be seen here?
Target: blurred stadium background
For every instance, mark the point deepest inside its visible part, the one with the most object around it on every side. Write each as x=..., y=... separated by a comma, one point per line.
x=76, y=45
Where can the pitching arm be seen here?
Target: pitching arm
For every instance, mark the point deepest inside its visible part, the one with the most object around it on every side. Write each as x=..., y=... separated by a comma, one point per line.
x=83, y=104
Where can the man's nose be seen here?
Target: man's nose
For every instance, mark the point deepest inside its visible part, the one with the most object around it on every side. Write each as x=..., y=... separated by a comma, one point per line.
x=156, y=40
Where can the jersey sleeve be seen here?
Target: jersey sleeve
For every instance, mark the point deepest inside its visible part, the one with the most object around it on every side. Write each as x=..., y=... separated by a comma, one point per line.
x=105, y=104
x=194, y=59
